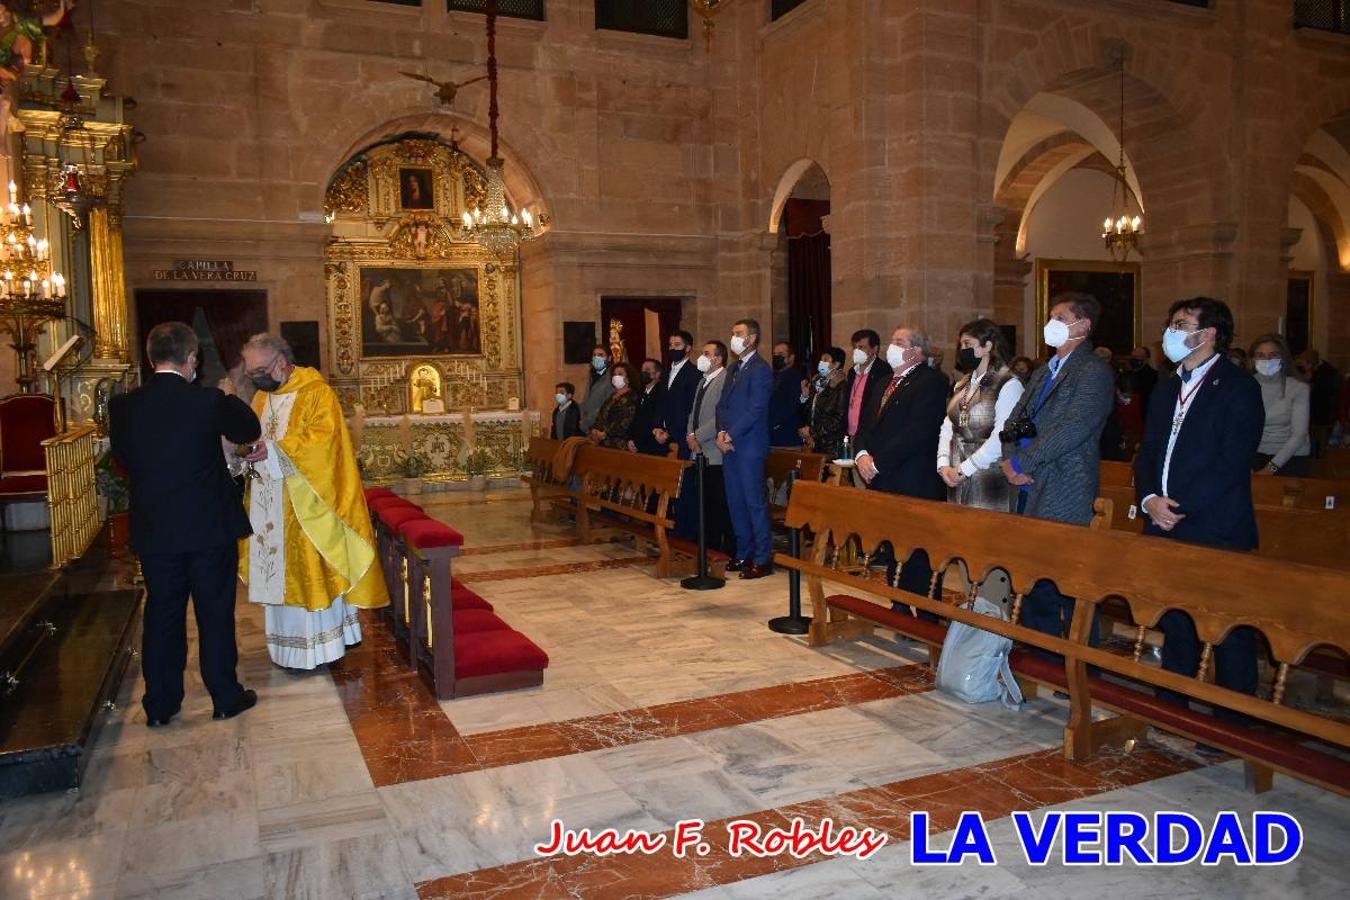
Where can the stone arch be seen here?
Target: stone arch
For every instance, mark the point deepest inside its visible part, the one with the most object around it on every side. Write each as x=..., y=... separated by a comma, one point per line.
x=786, y=184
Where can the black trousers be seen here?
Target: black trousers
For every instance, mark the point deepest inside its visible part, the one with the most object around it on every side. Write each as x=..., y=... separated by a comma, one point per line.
x=716, y=517
x=209, y=577
x=1234, y=659
x=1045, y=609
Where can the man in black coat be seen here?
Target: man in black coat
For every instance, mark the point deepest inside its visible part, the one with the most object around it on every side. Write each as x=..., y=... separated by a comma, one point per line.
x=1193, y=472
x=876, y=372
x=681, y=382
x=651, y=398
x=785, y=405
x=187, y=517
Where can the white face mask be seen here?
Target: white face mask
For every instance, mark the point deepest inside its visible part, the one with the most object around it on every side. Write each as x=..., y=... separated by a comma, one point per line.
x=1174, y=345
x=561, y=398
x=1269, y=367
x=859, y=357
x=737, y=344
x=896, y=356
x=704, y=364
x=1056, y=333
x=823, y=369
x=619, y=382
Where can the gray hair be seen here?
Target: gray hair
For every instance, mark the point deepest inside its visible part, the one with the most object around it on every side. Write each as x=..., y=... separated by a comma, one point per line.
x=271, y=343
x=919, y=338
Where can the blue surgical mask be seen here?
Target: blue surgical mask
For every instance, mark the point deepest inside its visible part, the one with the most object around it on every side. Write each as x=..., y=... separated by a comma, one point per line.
x=1174, y=345
x=823, y=369
x=599, y=362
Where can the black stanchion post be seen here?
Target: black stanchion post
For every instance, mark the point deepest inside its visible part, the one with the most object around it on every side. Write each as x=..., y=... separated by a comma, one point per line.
x=702, y=581
x=794, y=622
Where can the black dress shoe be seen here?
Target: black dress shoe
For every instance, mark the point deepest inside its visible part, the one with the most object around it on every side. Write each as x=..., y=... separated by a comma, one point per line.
x=756, y=570
x=738, y=565
x=247, y=700
x=160, y=721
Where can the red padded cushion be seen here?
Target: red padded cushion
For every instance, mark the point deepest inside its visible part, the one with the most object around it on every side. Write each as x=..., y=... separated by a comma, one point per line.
x=928, y=632
x=24, y=484
x=427, y=534
x=463, y=598
x=390, y=502
x=496, y=653
x=472, y=621
x=26, y=420
x=393, y=518
x=373, y=492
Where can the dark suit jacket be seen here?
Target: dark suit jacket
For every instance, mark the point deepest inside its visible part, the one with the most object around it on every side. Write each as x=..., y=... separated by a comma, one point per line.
x=166, y=434
x=743, y=409
x=877, y=378
x=650, y=408
x=786, y=408
x=1211, y=471
x=1064, y=457
x=678, y=403
x=571, y=423
x=902, y=436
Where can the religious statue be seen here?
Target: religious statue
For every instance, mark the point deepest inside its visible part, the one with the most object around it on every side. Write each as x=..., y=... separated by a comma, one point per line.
x=425, y=386
x=616, y=341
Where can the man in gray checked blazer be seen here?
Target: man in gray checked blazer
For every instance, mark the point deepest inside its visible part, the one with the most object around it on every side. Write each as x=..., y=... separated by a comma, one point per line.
x=1068, y=401
x=701, y=438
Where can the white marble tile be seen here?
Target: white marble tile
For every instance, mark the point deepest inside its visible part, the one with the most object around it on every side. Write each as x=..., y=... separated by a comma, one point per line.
x=363, y=868
x=186, y=844
x=821, y=881
x=44, y=869
x=240, y=879
x=323, y=821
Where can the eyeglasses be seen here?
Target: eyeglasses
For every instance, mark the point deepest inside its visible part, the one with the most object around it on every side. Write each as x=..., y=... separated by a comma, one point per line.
x=258, y=373
x=1183, y=326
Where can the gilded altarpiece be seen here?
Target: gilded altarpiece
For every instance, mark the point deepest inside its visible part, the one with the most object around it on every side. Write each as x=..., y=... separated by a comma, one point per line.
x=404, y=292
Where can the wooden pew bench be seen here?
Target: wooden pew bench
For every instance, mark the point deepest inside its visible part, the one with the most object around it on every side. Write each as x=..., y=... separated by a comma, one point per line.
x=1217, y=589
x=786, y=466
x=544, y=486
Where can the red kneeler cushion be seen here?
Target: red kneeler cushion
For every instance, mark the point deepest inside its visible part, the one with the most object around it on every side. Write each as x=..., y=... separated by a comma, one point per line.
x=429, y=534
x=23, y=484
x=373, y=492
x=463, y=598
x=393, y=518
x=475, y=621
x=380, y=503
x=496, y=653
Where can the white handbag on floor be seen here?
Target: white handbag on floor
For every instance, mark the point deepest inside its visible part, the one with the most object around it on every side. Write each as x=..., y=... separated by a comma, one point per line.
x=974, y=663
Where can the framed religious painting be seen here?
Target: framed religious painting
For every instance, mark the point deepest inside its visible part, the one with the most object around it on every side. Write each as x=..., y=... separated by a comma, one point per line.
x=415, y=189
x=1116, y=287
x=419, y=311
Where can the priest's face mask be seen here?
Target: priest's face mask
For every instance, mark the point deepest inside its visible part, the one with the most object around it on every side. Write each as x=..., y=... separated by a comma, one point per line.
x=263, y=370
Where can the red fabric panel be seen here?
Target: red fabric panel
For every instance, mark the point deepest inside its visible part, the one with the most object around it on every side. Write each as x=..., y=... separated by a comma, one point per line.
x=802, y=217
x=393, y=518
x=373, y=492
x=495, y=653
x=390, y=503
x=24, y=484
x=427, y=534
x=932, y=632
x=26, y=420
x=473, y=621
x=463, y=598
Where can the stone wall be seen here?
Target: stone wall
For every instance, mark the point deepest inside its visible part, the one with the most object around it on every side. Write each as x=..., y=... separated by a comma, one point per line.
x=658, y=160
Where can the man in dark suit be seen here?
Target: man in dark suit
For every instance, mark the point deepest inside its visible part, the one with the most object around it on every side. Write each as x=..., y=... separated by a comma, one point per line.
x=896, y=450
x=1056, y=467
x=187, y=517
x=1145, y=376
x=863, y=397
x=651, y=398
x=681, y=382
x=785, y=405
x=743, y=438
x=567, y=415
x=1193, y=472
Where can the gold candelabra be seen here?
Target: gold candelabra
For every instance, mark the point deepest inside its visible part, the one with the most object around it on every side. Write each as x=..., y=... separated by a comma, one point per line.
x=30, y=294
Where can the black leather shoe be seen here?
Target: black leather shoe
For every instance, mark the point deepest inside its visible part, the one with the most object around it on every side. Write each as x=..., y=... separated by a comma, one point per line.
x=246, y=701
x=757, y=571
x=160, y=721
x=738, y=565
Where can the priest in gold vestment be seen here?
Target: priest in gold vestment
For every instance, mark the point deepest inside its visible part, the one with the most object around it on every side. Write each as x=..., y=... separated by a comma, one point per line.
x=311, y=560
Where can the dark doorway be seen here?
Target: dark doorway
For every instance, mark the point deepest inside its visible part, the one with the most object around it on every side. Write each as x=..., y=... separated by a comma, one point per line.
x=224, y=320
x=1298, y=312
x=809, y=299
x=646, y=323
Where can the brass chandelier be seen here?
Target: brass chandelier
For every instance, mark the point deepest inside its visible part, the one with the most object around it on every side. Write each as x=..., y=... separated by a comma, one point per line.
x=1121, y=229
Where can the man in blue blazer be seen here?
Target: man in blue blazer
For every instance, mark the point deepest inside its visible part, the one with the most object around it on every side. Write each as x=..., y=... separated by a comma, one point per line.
x=1193, y=472
x=743, y=438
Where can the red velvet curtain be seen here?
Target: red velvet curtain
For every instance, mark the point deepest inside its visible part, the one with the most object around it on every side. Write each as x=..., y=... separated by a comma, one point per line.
x=632, y=312
x=809, y=304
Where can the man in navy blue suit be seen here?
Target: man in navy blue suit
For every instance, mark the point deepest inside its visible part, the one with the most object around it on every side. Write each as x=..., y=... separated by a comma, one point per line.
x=785, y=405
x=682, y=380
x=1193, y=471
x=743, y=438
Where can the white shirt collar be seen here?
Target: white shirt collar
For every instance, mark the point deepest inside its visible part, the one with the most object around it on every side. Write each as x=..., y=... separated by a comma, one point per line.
x=749, y=353
x=171, y=372
x=709, y=376
x=1200, y=370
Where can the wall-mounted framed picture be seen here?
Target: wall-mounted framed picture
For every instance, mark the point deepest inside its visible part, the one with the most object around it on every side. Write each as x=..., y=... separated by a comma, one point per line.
x=416, y=189
x=578, y=342
x=1116, y=287
x=1299, y=310
x=419, y=311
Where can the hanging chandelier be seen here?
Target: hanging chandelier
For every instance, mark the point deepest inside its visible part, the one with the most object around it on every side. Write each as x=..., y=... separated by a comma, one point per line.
x=707, y=10
x=1121, y=229
x=495, y=225
x=31, y=295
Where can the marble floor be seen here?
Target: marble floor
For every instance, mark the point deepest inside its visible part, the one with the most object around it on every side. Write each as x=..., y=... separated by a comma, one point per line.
x=659, y=706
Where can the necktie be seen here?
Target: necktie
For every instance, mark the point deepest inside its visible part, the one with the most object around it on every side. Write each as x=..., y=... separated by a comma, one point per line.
x=1186, y=374
x=698, y=400
x=890, y=389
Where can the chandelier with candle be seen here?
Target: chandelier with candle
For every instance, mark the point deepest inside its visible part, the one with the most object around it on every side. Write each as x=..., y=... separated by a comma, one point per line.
x=495, y=225
x=1121, y=229
x=31, y=295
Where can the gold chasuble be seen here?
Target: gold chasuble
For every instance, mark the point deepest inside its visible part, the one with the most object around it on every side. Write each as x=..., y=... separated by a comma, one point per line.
x=312, y=554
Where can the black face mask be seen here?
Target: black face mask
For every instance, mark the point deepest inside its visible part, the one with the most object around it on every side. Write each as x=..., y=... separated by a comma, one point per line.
x=647, y=377
x=674, y=355
x=966, y=360
x=779, y=362
x=265, y=383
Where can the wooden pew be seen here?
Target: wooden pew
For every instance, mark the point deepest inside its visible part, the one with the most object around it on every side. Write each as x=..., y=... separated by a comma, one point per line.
x=544, y=486
x=1217, y=589
x=617, y=491
x=783, y=465
x=1335, y=465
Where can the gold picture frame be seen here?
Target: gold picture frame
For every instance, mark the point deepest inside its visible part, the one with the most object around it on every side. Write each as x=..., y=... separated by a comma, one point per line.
x=1115, y=286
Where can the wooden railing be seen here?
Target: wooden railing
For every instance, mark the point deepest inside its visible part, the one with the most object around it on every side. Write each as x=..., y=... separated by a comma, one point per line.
x=71, y=493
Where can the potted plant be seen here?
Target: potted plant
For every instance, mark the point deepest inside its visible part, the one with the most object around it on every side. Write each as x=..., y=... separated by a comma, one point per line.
x=476, y=463
x=114, y=492
x=415, y=465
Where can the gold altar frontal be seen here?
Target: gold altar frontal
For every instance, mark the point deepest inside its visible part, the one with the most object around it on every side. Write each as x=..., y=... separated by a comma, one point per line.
x=444, y=441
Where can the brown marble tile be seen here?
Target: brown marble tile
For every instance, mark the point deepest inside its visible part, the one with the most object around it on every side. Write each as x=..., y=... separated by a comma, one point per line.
x=560, y=569
x=991, y=789
x=554, y=544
